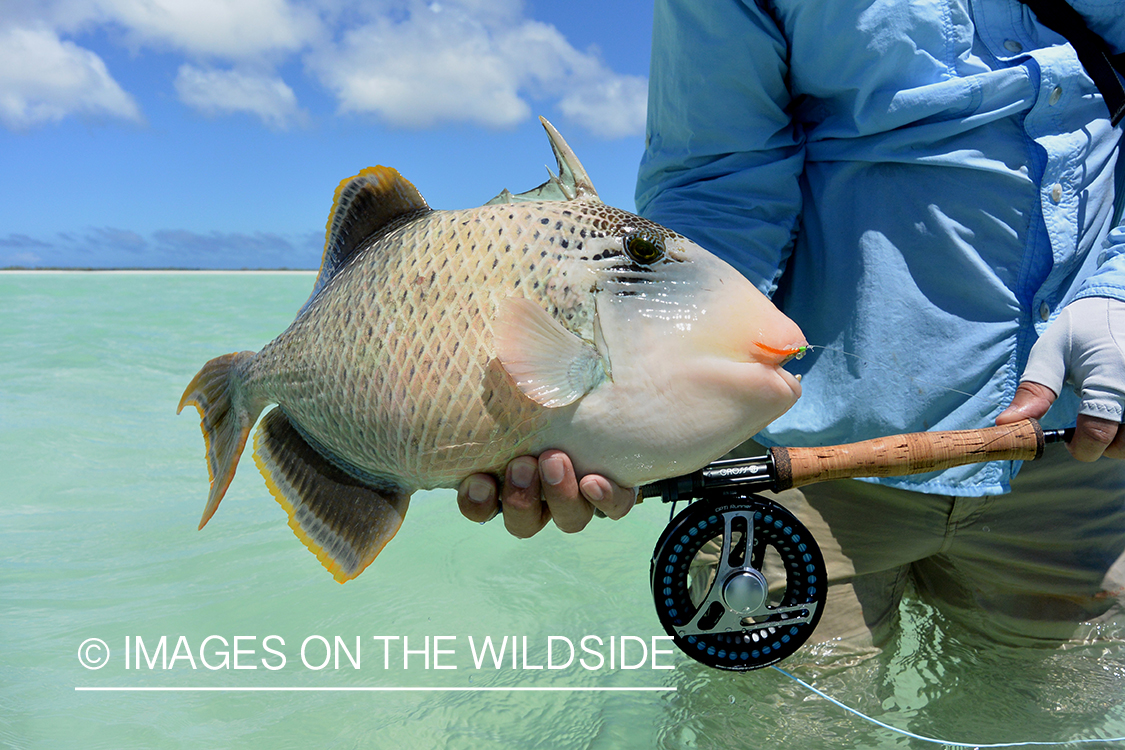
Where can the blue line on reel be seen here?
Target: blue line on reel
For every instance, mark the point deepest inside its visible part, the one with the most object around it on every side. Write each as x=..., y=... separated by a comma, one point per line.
x=722, y=605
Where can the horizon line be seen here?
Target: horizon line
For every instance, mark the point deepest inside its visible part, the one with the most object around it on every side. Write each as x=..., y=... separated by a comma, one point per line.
x=135, y=689
x=128, y=269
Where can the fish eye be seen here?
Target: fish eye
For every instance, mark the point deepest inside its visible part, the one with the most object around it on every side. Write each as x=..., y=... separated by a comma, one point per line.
x=644, y=247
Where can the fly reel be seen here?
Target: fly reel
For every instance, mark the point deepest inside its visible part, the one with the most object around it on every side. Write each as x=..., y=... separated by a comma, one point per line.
x=738, y=582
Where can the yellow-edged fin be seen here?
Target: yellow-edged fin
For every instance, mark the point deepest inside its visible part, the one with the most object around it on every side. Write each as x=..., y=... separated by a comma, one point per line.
x=371, y=202
x=225, y=419
x=342, y=521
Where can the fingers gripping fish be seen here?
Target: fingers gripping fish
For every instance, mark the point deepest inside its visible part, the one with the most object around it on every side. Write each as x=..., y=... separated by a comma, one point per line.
x=436, y=344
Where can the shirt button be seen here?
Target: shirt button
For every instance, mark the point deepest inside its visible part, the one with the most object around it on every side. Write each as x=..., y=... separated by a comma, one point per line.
x=1056, y=94
x=1013, y=46
x=1056, y=193
x=1044, y=311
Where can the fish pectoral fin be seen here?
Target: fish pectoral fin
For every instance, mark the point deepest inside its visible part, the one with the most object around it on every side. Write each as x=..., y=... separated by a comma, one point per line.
x=549, y=364
x=342, y=521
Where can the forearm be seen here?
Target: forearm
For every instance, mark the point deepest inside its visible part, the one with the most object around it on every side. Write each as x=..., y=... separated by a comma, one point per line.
x=723, y=159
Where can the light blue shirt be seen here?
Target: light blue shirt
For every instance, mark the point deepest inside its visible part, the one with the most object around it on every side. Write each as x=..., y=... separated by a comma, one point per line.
x=923, y=184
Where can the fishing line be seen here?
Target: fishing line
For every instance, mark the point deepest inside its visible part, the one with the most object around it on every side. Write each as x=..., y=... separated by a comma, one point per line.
x=932, y=740
x=714, y=656
x=912, y=379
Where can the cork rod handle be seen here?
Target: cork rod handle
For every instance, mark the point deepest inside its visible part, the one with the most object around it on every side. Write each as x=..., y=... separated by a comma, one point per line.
x=914, y=453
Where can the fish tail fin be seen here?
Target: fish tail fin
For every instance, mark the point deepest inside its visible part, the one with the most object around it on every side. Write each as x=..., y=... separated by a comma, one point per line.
x=225, y=418
x=342, y=520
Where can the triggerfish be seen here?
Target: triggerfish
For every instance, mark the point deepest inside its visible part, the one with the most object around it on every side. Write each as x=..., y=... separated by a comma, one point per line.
x=437, y=344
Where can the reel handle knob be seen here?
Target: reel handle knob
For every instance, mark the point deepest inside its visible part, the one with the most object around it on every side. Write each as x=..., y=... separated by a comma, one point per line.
x=913, y=453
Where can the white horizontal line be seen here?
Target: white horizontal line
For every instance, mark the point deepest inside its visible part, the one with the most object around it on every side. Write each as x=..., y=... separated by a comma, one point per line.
x=377, y=689
x=160, y=271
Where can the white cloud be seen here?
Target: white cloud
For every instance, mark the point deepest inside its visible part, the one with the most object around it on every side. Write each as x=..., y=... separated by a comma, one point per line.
x=462, y=62
x=611, y=107
x=408, y=62
x=234, y=30
x=434, y=65
x=44, y=78
x=228, y=29
x=216, y=92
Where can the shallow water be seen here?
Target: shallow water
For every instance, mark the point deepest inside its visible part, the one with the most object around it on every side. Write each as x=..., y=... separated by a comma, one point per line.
x=101, y=488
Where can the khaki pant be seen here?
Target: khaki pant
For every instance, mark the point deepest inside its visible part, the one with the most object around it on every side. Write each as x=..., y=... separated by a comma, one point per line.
x=1044, y=564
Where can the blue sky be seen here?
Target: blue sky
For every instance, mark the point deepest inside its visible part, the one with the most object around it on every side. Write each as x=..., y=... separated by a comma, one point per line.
x=212, y=133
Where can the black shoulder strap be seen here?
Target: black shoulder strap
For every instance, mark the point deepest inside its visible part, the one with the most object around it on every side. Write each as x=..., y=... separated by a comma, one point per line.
x=1092, y=51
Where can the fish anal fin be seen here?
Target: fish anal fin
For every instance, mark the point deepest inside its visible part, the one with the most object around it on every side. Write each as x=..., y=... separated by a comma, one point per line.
x=549, y=364
x=372, y=201
x=225, y=418
x=342, y=521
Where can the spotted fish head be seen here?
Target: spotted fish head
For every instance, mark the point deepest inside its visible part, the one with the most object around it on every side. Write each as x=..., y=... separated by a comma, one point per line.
x=652, y=330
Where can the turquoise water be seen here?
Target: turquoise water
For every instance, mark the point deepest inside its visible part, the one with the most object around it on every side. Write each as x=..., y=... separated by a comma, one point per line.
x=101, y=489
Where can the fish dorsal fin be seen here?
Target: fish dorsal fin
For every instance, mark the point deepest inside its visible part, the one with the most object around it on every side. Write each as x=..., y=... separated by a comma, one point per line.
x=571, y=183
x=372, y=201
x=549, y=364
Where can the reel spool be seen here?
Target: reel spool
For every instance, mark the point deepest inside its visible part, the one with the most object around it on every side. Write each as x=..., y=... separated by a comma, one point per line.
x=766, y=590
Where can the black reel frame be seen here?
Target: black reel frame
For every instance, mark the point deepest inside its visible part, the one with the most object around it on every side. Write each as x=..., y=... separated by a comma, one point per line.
x=745, y=620
x=750, y=615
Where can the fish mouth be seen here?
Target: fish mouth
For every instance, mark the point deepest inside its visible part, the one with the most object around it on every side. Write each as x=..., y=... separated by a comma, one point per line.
x=781, y=356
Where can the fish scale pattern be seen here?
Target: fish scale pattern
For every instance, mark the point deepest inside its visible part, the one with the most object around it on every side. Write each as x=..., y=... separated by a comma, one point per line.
x=391, y=367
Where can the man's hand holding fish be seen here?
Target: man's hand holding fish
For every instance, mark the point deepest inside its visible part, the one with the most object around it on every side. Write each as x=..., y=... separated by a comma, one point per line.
x=538, y=490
